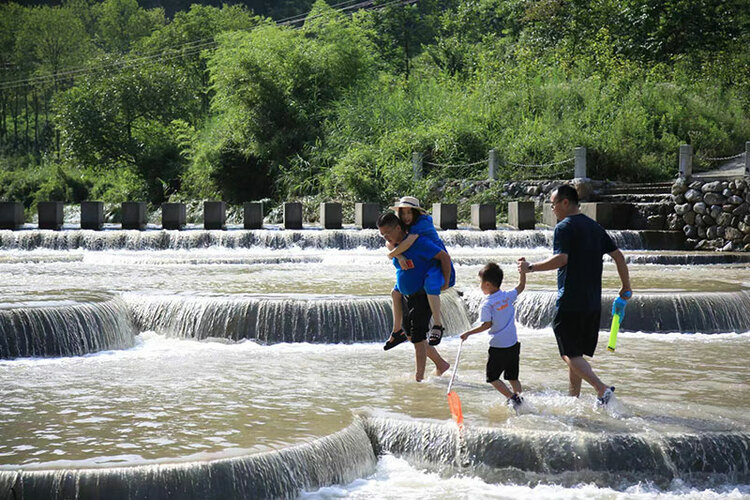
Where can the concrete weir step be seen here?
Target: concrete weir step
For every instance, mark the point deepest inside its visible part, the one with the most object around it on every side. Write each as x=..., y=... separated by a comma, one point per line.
x=647, y=188
x=636, y=198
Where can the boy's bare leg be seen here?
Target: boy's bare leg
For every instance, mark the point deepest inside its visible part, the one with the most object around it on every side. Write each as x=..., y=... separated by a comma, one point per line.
x=516, y=385
x=398, y=310
x=500, y=386
x=574, y=386
x=434, y=301
x=581, y=368
x=441, y=365
x=420, y=359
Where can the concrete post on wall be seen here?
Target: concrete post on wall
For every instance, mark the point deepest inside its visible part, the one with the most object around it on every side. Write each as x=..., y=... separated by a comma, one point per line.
x=214, y=215
x=521, y=214
x=548, y=215
x=747, y=159
x=134, y=215
x=92, y=215
x=330, y=215
x=173, y=216
x=484, y=216
x=366, y=215
x=11, y=215
x=686, y=161
x=292, y=215
x=492, y=165
x=416, y=165
x=580, y=163
x=50, y=215
x=445, y=215
x=253, y=214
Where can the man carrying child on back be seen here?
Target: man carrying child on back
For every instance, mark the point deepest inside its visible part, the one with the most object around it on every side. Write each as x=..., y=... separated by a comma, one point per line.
x=424, y=255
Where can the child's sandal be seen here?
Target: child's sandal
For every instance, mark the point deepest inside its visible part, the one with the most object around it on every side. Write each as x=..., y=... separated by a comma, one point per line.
x=436, y=335
x=395, y=339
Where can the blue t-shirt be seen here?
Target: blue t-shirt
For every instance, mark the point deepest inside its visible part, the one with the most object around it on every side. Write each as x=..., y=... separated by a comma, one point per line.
x=498, y=308
x=425, y=228
x=422, y=254
x=579, y=283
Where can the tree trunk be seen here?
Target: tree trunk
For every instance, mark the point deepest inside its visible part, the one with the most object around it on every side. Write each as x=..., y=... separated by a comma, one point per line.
x=26, y=140
x=36, y=123
x=15, y=119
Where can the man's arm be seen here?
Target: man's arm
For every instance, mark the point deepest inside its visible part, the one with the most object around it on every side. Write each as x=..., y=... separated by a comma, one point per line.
x=622, y=270
x=445, y=266
x=521, y=279
x=403, y=246
x=555, y=262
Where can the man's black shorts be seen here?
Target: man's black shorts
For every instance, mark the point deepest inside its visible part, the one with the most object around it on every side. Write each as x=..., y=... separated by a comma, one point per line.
x=503, y=359
x=576, y=332
x=417, y=315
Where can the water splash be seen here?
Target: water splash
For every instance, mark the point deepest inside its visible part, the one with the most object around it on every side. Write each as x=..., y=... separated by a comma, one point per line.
x=274, y=319
x=68, y=329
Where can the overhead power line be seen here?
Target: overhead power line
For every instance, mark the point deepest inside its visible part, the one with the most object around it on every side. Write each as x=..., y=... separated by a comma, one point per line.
x=188, y=48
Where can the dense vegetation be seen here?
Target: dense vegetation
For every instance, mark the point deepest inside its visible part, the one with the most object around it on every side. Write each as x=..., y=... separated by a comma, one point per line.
x=118, y=100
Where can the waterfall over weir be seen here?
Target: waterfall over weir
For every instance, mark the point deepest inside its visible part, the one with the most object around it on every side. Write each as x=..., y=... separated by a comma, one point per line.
x=336, y=459
x=495, y=454
x=67, y=329
x=274, y=319
x=344, y=239
x=525, y=456
x=685, y=312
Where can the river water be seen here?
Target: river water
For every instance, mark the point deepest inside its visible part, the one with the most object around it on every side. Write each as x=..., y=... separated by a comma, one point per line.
x=154, y=356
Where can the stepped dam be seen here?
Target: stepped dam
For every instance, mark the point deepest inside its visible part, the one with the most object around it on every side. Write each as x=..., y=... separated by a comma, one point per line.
x=249, y=364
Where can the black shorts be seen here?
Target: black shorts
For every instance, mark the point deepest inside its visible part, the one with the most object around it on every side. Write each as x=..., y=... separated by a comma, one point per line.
x=417, y=315
x=576, y=332
x=503, y=359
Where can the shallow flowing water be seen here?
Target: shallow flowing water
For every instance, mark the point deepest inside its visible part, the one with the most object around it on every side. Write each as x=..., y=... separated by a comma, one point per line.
x=235, y=351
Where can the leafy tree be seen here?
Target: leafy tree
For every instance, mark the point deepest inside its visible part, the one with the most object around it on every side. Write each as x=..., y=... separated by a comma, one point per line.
x=274, y=86
x=471, y=30
x=50, y=39
x=400, y=31
x=123, y=22
x=190, y=36
x=87, y=13
x=121, y=117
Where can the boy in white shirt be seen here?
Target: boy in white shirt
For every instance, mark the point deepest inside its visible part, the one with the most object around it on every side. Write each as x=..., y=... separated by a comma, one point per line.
x=497, y=315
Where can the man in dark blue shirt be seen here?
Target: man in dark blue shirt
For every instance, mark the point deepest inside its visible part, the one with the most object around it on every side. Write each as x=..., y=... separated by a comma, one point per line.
x=424, y=255
x=579, y=244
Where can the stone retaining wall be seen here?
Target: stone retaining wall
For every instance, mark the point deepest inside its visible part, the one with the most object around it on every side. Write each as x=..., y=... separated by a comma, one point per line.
x=538, y=190
x=715, y=215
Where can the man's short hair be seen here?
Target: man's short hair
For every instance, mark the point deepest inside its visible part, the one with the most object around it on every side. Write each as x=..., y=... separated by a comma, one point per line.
x=567, y=192
x=389, y=219
x=491, y=273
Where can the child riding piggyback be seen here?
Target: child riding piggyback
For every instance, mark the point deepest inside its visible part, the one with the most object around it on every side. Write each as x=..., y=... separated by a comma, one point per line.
x=420, y=225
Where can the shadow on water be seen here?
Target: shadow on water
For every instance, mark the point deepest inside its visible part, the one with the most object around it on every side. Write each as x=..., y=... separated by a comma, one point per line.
x=495, y=455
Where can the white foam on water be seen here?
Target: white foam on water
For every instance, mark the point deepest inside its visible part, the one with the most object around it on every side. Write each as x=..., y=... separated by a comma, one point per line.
x=675, y=337
x=395, y=479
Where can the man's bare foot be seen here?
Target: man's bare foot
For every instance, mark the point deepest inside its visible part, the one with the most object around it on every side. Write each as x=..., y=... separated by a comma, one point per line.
x=440, y=370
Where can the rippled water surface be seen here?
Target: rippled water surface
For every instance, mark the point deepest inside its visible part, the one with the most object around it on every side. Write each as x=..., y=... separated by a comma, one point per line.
x=171, y=399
